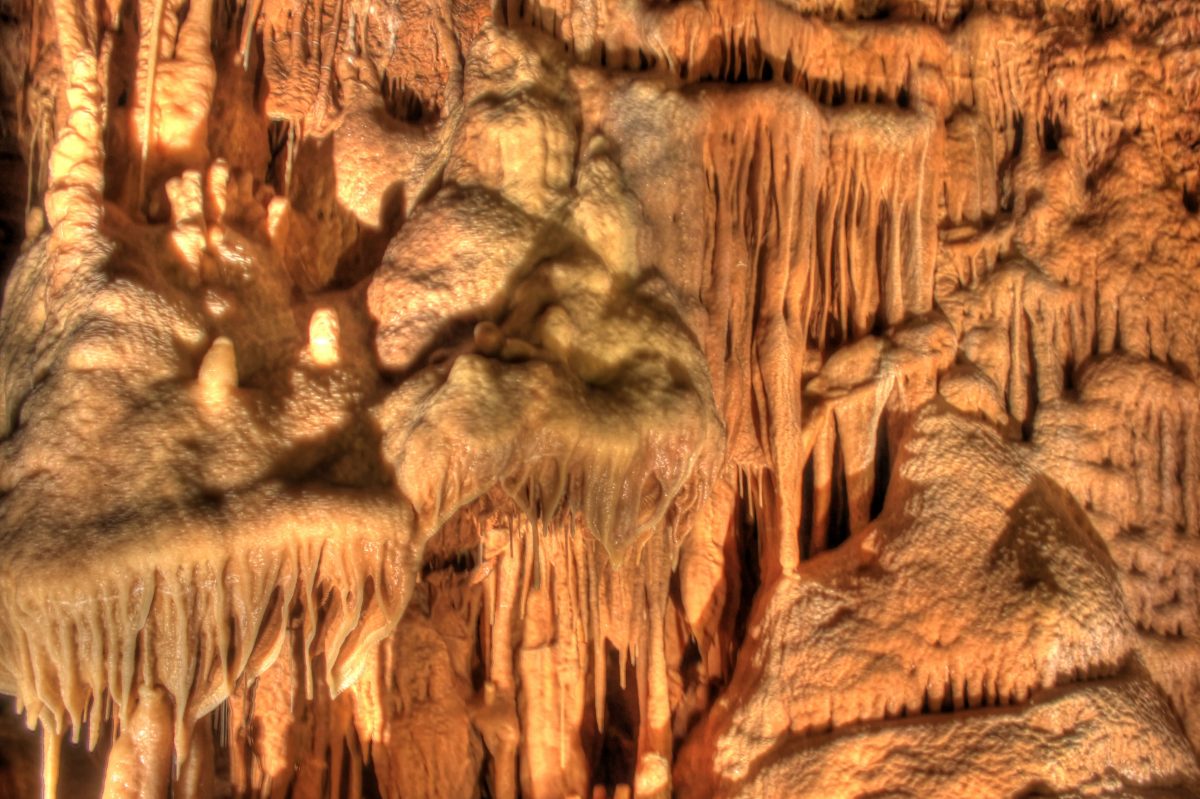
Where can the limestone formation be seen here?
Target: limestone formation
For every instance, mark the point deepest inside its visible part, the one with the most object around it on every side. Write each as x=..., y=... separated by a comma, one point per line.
x=600, y=398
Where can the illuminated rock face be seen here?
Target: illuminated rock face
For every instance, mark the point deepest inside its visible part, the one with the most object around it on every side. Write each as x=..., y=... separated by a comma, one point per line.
x=584, y=398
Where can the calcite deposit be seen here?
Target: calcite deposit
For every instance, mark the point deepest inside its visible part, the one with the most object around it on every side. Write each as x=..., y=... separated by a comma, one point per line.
x=599, y=398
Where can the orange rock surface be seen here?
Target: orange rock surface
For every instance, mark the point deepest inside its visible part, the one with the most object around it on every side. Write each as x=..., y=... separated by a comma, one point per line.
x=600, y=398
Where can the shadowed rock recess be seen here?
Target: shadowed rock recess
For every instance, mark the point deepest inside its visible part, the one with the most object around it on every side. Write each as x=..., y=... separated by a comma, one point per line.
x=599, y=398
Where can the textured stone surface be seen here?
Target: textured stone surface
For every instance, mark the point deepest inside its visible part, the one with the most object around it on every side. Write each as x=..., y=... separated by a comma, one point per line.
x=590, y=398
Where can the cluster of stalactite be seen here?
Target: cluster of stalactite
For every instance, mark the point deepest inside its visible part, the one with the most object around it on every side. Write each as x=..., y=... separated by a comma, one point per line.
x=538, y=574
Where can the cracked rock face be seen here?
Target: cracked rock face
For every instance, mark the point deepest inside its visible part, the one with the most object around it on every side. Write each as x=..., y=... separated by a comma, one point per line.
x=592, y=398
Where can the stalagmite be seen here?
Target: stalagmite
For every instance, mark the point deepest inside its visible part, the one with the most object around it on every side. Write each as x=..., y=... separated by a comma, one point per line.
x=139, y=765
x=586, y=398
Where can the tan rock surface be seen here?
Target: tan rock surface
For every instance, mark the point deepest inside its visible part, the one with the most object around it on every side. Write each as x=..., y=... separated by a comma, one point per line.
x=598, y=398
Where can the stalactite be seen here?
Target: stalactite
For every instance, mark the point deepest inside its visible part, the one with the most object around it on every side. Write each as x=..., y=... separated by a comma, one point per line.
x=551, y=668
x=186, y=618
x=568, y=397
x=154, y=44
x=768, y=190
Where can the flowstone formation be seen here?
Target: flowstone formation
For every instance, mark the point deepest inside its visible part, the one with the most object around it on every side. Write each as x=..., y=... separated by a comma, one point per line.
x=600, y=398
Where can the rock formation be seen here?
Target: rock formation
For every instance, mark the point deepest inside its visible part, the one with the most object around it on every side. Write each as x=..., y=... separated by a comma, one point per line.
x=600, y=398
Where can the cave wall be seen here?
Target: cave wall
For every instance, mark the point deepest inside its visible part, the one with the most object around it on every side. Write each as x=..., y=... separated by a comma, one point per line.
x=600, y=398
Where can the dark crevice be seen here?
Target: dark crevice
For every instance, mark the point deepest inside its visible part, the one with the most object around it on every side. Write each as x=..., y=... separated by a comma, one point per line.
x=883, y=467
x=1191, y=200
x=460, y=563
x=839, y=504
x=13, y=184
x=277, y=143
x=806, y=512
x=1051, y=133
x=616, y=756
x=813, y=539
x=403, y=104
x=1031, y=381
x=370, y=783
x=745, y=540
x=1103, y=17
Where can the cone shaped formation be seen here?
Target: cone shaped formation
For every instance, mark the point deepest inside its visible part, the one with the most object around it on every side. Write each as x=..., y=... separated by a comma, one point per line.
x=596, y=398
